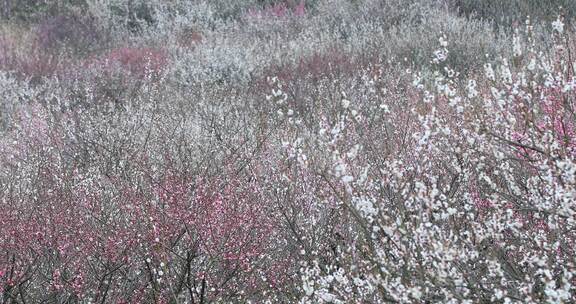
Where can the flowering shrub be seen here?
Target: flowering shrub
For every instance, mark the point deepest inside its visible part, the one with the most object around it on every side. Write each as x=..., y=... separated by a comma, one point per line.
x=32, y=10
x=113, y=77
x=188, y=38
x=504, y=13
x=79, y=33
x=139, y=62
x=184, y=243
x=278, y=10
x=480, y=231
x=364, y=152
x=31, y=62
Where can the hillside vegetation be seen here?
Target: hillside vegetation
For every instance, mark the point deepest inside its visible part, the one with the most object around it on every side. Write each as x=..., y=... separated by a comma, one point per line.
x=268, y=151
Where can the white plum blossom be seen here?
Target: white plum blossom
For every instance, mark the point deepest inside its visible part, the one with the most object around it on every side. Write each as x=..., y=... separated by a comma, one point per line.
x=558, y=25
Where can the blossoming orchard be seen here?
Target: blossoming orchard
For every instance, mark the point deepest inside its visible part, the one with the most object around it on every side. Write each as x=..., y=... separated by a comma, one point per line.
x=287, y=151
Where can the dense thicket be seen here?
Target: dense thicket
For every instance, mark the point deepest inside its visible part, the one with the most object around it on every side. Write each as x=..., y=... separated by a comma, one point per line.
x=322, y=151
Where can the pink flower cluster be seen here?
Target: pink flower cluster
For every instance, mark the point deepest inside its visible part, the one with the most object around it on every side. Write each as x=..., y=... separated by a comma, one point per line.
x=89, y=244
